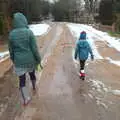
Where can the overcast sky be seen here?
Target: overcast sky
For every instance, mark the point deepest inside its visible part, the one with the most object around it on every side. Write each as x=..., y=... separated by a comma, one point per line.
x=50, y=0
x=56, y=0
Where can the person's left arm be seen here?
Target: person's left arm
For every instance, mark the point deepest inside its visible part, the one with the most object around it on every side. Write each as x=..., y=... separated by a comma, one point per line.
x=90, y=51
x=76, y=51
x=10, y=46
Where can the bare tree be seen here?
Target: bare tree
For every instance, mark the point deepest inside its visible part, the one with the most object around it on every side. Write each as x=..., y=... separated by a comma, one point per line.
x=91, y=5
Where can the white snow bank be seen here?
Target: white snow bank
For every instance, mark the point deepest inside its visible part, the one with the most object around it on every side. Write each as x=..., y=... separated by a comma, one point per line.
x=113, y=61
x=92, y=32
x=113, y=41
x=116, y=92
x=4, y=56
x=76, y=29
x=39, y=29
x=3, y=59
x=98, y=85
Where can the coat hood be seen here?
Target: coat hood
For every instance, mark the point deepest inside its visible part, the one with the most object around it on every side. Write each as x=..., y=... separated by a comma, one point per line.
x=19, y=21
x=82, y=35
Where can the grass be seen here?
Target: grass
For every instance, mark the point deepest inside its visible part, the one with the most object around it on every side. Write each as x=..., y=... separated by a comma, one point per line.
x=114, y=34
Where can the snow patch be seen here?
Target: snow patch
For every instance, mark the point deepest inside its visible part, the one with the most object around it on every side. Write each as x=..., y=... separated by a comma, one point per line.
x=113, y=61
x=94, y=48
x=94, y=33
x=98, y=85
x=39, y=29
x=3, y=107
x=4, y=56
x=90, y=95
x=115, y=92
x=102, y=104
x=3, y=59
x=98, y=92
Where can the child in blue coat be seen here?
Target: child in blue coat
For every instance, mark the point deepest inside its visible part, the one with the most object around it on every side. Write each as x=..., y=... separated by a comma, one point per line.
x=82, y=52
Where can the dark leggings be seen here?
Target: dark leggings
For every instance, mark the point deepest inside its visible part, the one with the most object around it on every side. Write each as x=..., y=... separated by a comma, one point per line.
x=22, y=79
x=82, y=64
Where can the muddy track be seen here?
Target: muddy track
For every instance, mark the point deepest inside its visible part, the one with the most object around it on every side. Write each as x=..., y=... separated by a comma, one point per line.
x=9, y=94
x=61, y=94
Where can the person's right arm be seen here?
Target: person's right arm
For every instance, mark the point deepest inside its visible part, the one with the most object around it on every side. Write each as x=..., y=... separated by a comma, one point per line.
x=34, y=48
x=90, y=51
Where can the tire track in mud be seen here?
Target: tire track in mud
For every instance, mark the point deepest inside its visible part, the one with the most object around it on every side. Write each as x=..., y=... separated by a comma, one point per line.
x=99, y=85
x=13, y=107
x=61, y=94
x=49, y=60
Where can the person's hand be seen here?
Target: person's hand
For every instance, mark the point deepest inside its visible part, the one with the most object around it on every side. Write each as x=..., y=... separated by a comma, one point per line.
x=41, y=66
x=76, y=61
x=92, y=57
x=75, y=58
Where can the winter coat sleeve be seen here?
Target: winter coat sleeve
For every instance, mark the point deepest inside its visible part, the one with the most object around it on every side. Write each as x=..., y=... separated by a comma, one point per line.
x=11, y=49
x=90, y=51
x=34, y=48
x=76, y=51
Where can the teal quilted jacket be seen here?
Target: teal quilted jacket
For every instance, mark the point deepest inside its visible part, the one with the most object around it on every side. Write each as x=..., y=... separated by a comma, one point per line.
x=83, y=50
x=22, y=43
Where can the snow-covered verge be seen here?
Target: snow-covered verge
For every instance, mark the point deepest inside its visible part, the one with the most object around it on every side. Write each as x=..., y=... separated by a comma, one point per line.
x=76, y=29
x=4, y=55
x=39, y=29
x=94, y=33
x=113, y=61
x=100, y=87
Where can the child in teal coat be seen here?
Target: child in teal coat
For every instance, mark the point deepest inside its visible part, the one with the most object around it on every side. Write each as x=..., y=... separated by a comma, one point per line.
x=82, y=51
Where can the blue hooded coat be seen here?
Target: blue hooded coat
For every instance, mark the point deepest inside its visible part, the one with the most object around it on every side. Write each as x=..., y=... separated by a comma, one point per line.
x=83, y=48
